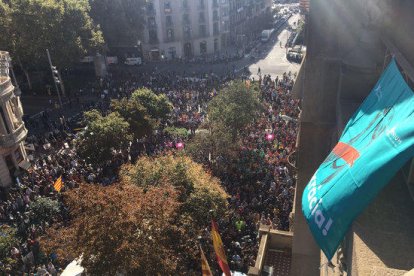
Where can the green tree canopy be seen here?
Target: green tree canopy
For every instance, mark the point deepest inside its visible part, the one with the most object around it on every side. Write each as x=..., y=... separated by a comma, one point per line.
x=8, y=240
x=29, y=27
x=143, y=111
x=121, y=20
x=218, y=145
x=103, y=136
x=234, y=108
x=43, y=210
x=199, y=191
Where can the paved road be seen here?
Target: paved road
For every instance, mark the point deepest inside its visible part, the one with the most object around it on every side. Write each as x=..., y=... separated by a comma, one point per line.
x=275, y=62
x=272, y=61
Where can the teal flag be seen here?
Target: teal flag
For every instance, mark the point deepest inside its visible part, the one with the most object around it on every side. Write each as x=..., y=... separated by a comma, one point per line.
x=377, y=141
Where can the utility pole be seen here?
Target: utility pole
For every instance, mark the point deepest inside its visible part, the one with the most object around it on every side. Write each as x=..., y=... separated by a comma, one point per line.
x=55, y=76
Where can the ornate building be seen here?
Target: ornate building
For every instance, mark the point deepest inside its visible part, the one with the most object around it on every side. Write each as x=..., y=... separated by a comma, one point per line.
x=12, y=129
x=184, y=29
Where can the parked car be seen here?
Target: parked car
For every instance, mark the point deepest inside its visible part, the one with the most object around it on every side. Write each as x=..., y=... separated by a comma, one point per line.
x=133, y=61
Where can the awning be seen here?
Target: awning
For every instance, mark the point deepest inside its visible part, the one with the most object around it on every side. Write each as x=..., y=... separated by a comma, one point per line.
x=25, y=165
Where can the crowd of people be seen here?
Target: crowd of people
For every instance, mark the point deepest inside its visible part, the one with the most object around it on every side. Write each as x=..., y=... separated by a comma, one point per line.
x=261, y=182
x=261, y=185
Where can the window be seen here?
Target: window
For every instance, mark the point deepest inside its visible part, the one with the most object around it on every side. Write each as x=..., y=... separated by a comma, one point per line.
x=215, y=3
x=203, y=30
x=3, y=117
x=186, y=18
x=151, y=22
x=203, y=47
x=153, y=36
x=224, y=11
x=170, y=34
x=168, y=21
x=215, y=28
x=226, y=26
x=150, y=8
x=187, y=32
x=201, y=4
x=167, y=7
x=215, y=15
x=216, y=45
x=172, y=52
x=185, y=4
x=201, y=17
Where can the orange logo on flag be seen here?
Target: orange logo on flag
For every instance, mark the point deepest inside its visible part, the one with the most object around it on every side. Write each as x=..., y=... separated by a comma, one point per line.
x=348, y=153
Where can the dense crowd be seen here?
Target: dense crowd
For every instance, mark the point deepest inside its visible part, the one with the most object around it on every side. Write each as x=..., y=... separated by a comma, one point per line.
x=262, y=181
x=261, y=184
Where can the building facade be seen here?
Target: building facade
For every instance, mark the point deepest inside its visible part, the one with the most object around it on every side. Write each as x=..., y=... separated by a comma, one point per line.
x=248, y=18
x=349, y=43
x=185, y=28
x=12, y=129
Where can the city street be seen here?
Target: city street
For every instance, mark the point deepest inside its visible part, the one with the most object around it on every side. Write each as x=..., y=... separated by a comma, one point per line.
x=272, y=61
x=275, y=62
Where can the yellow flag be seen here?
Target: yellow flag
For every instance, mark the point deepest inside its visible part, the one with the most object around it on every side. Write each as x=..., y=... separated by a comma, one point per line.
x=248, y=84
x=58, y=184
x=205, y=268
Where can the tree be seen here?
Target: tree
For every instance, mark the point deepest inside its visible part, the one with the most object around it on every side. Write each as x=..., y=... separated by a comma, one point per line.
x=143, y=111
x=64, y=27
x=235, y=107
x=5, y=26
x=43, y=210
x=177, y=132
x=122, y=21
x=118, y=229
x=7, y=241
x=157, y=106
x=103, y=136
x=147, y=224
x=200, y=195
x=217, y=144
x=198, y=191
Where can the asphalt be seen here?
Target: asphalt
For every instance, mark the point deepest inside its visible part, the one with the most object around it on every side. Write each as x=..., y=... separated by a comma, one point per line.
x=270, y=57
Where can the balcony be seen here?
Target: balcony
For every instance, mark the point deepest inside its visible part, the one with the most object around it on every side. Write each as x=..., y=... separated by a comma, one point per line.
x=6, y=89
x=151, y=12
x=16, y=137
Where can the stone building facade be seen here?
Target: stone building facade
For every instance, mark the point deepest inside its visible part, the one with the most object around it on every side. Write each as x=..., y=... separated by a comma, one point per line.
x=12, y=129
x=184, y=28
x=349, y=43
x=248, y=18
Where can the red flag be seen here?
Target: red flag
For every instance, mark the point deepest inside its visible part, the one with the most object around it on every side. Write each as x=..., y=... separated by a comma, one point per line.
x=219, y=249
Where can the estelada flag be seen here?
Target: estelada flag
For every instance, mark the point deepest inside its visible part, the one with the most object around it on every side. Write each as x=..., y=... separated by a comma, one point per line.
x=219, y=249
x=205, y=268
x=58, y=184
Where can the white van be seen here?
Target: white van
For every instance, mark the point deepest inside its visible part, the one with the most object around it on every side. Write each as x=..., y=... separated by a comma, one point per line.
x=133, y=61
x=266, y=34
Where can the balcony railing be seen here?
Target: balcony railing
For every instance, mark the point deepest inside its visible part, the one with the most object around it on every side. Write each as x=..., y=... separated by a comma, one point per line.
x=11, y=139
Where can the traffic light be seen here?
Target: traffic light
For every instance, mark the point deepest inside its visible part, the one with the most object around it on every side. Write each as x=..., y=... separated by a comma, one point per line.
x=55, y=75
